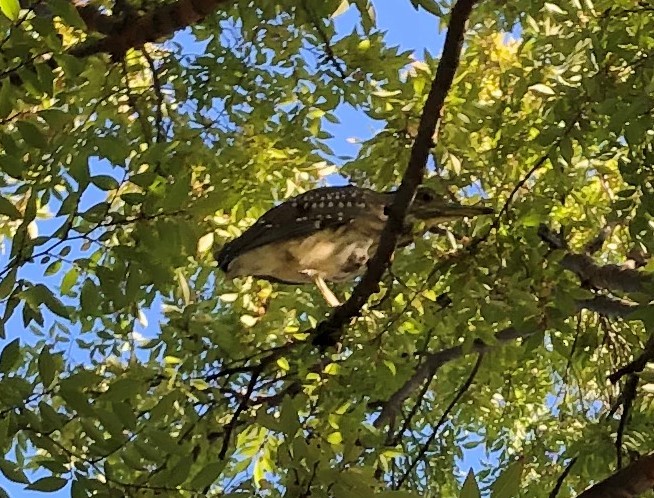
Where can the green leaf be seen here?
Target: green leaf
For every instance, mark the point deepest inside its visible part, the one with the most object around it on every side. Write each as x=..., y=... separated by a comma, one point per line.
x=335, y=438
x=70, y=279
x=76, y=401
x=104, y=182
x=44, y=295
x=47, y=367
x=470, y=487
x=53, y=268
x=343, y=6
x=180, y=471
x=7, y=284
x=32, y=134
x=9, y=356
x=554, y=8
x=12, y=472
x=8, y=209
x=50, y=416
x=78, y=489
x=507, y=485
x=90, y=298
x=122, y=389
x=48, y=484
x=208, y=475
x=10, y=8
x=6, y=103
x=431, y=6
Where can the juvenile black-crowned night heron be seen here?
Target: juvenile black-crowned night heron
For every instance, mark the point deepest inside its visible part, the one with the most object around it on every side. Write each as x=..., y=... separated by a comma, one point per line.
x=327, y=235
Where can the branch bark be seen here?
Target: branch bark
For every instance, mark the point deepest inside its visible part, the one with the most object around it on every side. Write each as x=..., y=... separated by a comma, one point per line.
x=328, y=330
x=625, y=278
x=158, y=24
x=433, y=361
x=610, y=306
x=633, y=480
x=611, y=277
x=638, y=364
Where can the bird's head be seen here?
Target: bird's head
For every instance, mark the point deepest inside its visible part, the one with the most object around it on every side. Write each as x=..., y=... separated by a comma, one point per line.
x=432, y=208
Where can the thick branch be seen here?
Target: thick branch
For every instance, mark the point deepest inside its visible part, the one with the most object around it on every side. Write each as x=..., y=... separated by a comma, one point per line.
x=623, y=278
x=612, y=277
x=610, y=306
x=159, y=24
x=412, y=176
x=633, y=480
x=433, y=361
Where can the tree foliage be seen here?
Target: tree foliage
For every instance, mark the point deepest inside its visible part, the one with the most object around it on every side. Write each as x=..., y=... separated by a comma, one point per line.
x=528, y=335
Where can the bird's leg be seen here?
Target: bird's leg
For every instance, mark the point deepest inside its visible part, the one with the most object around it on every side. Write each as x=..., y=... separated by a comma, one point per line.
x=326, y=292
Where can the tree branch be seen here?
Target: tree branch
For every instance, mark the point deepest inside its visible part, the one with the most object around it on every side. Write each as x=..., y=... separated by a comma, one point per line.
x=158, y=24
x=633, y=480
x=564, y=474
x=433, y=361
x=628, y=397
x=329, y=330
x=638, y=364
x=329, y=52
x=610, y=277
x=610, y=306
x=435, y=430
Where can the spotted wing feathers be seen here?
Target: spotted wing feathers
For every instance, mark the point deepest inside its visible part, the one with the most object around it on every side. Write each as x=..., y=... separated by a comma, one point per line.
x=300, y=216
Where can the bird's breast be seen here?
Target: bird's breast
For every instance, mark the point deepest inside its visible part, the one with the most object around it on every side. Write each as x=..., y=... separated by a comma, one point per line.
x=337, y=255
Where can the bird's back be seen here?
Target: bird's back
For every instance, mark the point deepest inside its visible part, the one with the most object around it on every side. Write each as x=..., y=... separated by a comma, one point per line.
x=320, y=209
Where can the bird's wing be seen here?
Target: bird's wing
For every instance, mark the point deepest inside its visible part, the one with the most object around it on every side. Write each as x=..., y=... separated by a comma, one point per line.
x=318, y=209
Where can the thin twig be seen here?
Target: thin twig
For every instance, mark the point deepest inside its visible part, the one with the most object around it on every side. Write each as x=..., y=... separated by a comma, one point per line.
x=329, y=52
x=435, y=431
x=638, y=364
x=628, y=396
x=227, y=436
x=160, y=101
x=412, y=413
x=559, y=481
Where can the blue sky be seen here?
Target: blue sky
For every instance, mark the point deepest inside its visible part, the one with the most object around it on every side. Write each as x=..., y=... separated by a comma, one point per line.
x=405, y=27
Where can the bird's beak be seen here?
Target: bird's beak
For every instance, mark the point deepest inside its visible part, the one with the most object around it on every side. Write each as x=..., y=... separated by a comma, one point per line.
x=441, y=212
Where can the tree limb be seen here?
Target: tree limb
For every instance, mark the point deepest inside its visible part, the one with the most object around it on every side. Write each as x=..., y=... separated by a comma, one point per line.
x=433, y=361
x=633, y=480
x=611, y=277
x=614, y=277
x=610, y=306
x=328, y=330
x=638, y=364
x=435, y=430
x=158, y=24
x=564, y=474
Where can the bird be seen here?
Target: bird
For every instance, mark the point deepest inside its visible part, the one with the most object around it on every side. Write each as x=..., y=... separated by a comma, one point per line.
x=328, y=234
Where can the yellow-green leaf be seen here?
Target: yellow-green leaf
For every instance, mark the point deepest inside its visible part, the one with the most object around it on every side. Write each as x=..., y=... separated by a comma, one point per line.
x=10, y=8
